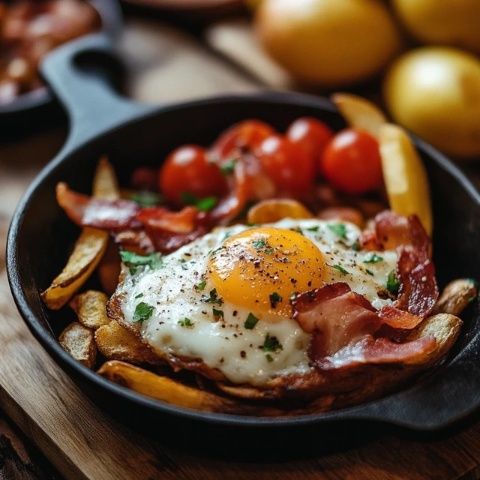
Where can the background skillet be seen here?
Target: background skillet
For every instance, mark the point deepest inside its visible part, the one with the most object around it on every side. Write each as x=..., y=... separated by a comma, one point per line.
x=40, y=234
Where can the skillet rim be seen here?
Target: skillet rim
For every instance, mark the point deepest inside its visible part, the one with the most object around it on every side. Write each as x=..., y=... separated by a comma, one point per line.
x=362, y=412
x=111, y=24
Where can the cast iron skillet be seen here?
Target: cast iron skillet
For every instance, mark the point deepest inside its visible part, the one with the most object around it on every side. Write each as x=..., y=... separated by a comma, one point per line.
x=101, y=122
x=37, y=106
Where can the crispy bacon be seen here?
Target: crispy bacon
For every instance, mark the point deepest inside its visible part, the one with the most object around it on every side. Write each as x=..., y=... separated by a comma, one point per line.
x=342, y=321
x=378, y=351
x=88, y=211
x=418, y=286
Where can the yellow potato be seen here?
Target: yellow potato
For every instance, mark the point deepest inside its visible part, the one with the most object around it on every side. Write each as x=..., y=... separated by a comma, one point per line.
x=405, y=176
x=115, y=342
x=88, y=249
x=456, y=296
x=109, y=268
x=91, y=309
x=78, y=341
x=359, y=112
x=164, y=388
x=268, y=211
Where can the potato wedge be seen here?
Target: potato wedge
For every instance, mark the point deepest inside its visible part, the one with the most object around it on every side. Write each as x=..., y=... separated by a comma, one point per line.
x=405, y=176
x=78, y=341
x=109, y=268
x=456, y=296
x=164, y=388
x=91, y=309
x=115, y=342
x=88, y=249
x=360, y=113
x=268, y=211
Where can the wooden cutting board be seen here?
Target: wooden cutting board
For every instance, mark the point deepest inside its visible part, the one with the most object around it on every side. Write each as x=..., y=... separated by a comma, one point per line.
x=83, y=442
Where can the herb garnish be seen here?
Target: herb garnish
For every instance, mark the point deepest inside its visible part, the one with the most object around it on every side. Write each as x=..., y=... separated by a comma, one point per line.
x=135, y=262
x=271, y=344
x=393, y=283
x=147, y=199
x=228, y=167
x=200, y=286
x=339, y=229
x=203, y=204
x=369, y=272
x=186, y=323
x=313, y=229
x=143, y=311
x=217, y=314
x=275, y=299
x=140, y=295
x=373, y=258
x=269, y=358
x=340, y=269
x=261, y=245
x=213, y=298
x=356, y=246
x=250, y=322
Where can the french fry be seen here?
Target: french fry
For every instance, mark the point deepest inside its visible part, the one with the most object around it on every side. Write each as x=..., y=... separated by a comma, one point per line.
x=115, y=342
x=268, y=211
x=165, y=389
x=359, y=112
x=109, y=268
x=88, y=249
x=405, y=176
x=456, y=296
x=78, y=341
x=90, y=307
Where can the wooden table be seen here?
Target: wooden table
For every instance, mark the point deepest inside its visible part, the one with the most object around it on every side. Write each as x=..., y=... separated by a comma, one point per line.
x=80, y=441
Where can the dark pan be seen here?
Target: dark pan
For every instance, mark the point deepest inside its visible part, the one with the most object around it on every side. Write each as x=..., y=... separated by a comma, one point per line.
x=32, y=109
x=102, y=122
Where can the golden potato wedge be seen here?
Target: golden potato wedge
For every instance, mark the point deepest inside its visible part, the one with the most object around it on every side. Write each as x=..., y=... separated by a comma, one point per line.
x=91, y=308
x=164, y=388
x=456, y=296
x=268, y=211
x=88, y=249
x=78, y=341
x=405, y=176
x=109, y=268
x=115, y=342
x=360, y=112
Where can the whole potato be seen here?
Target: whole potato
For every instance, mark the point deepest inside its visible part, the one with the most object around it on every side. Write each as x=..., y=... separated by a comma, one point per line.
x=443, y=22
x=328, y=43
x=435, y=92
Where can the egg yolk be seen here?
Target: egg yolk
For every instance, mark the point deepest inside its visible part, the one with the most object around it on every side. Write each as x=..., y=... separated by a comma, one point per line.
x=259, y=269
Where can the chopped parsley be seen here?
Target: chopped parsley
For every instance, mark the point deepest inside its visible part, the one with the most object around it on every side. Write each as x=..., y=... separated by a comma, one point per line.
x=340, y=269
x=200, y=286
x=217, y=314
x=269, y=358
x=275, y=299
x=228, y=167
x=373, y=258
x=261, y=245
x=250, y=322
x=147, y=199
x=203, y=204
x=213, y=298
x=356, y=246
x=369, y=272
x=393, y=283
x=297, y=229
x=140, y=295
x=136, y=262
x=271, y=344
x=313, y=229
x=185, y=323
x=143, y=311
x=339, y=229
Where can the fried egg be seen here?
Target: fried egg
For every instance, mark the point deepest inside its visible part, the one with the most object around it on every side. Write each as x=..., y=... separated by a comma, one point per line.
x=224, y=299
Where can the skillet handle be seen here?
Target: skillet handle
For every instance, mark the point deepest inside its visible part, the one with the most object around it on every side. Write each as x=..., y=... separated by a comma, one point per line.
x=76, y=74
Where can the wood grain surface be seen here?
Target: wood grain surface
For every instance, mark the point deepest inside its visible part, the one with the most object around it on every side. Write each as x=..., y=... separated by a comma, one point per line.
x=83, y=442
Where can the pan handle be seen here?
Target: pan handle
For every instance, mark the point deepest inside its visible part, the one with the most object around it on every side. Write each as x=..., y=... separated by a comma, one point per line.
x=76, y=74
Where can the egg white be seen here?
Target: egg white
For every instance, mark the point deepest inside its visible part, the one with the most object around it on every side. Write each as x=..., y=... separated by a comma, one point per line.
x=176, y=292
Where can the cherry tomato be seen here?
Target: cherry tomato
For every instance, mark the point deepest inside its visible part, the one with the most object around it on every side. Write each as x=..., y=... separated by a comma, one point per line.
x=188, y=171
x=246, y=134
x=311, y=135
x=291, y=168
x=351, y=162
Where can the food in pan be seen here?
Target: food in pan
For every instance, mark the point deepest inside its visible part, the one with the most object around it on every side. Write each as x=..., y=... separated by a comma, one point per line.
x=29, y=30
x=269, y=274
